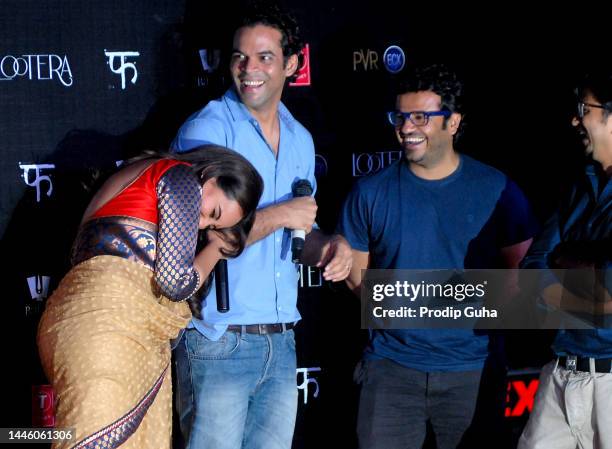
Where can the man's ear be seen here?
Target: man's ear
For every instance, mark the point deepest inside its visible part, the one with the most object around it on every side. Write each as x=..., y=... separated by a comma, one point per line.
x=453, y=122
x=292, y=65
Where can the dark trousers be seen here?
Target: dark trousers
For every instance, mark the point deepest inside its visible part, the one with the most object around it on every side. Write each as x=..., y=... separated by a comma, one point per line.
x=396, y=402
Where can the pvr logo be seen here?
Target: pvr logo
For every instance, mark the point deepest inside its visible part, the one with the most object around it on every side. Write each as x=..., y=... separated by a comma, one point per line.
x=524, y=394
x=365, y=59
x=394, y=59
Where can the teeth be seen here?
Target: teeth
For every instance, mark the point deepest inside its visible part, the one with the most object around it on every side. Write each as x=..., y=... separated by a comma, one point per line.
x=414, y=140
x=252, y=83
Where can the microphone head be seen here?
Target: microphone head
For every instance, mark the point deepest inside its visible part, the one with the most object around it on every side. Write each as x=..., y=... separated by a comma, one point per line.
x=301, y=187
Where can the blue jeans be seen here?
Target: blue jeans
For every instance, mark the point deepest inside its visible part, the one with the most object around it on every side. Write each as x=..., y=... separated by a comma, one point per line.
x=237, y=392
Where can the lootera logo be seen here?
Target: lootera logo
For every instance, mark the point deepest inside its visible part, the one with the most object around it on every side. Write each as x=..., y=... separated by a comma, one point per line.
x=320, y=166
x=310, y=276
x=36, y=67
x=369, y=163
x=394, y=59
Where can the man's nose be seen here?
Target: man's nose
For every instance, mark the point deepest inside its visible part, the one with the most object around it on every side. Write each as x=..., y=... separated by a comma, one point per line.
x=407, y=126
x=249, y=65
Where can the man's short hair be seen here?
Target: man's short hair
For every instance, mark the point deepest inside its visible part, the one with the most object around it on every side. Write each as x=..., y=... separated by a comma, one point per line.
x=598, y=84
x=270, y=14
x=441, y=80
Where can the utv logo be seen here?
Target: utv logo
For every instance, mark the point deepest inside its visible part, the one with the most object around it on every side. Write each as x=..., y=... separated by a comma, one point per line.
x=369, y=163
x=122, y=65
x=39, y=287
x=43, y=406
x=302, y=74
x=37, y=178
x=394, y=59
x=210, y=59
x=36, y=67
x=305, y=381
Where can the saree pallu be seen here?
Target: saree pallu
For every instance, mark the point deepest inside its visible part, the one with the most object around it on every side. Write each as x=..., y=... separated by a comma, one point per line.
x=104, y=345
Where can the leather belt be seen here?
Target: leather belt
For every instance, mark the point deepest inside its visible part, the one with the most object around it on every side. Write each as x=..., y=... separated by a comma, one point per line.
x=261, y=329
x=577, y=363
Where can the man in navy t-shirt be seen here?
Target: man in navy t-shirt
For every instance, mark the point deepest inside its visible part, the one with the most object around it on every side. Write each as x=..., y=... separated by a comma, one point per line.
x=573, y=407
x=435, y=209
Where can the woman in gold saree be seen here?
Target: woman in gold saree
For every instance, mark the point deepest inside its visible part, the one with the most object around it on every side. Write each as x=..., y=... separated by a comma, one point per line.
x=104, y=338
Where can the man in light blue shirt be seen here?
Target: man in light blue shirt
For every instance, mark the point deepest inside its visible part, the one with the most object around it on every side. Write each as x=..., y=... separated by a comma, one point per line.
x=236, y=370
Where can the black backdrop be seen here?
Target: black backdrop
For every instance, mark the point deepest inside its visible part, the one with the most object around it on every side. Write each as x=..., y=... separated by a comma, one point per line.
x=69, y=112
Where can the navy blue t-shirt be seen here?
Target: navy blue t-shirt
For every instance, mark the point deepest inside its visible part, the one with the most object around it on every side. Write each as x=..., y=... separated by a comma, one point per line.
x=461, y=221
x=585, y=222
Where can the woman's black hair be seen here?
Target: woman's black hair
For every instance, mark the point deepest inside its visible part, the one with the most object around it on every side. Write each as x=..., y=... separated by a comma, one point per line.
x=238, y=179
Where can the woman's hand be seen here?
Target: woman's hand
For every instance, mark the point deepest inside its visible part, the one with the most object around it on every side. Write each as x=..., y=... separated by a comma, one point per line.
x=216, y=241
x=206, y=259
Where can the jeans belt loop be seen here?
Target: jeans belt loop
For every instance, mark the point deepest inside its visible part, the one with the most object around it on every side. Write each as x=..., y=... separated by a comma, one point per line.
x=260, y=329
x=284, y=327
x=571, y=362
x=243, y=330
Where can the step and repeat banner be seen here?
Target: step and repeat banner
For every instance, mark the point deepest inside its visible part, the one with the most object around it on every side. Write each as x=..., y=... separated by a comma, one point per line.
x=85, y=85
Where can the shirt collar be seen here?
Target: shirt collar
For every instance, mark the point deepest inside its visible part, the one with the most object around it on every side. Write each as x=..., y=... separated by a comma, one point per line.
x=239, y=111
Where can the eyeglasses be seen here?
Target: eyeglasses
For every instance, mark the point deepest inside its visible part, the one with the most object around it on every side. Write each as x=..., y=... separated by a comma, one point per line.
x=582, y=104
x=417, y=118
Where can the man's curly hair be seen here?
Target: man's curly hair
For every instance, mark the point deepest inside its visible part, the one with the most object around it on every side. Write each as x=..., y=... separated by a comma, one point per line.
x=270, y=14
x=441, y=80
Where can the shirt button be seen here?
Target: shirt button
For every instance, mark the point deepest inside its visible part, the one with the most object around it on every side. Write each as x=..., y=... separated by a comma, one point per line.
x=277, y=275
x=280, y=308
x=277, y=239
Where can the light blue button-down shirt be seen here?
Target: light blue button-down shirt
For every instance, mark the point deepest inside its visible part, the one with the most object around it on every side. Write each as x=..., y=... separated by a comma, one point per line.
x=263, y=280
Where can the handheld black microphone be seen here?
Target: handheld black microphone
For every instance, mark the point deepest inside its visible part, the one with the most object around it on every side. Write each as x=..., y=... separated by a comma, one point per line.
x=301, y=187
x=221, y=286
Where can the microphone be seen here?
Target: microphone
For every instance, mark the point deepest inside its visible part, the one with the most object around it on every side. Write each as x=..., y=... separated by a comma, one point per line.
x=301, y=187
x=221, y=286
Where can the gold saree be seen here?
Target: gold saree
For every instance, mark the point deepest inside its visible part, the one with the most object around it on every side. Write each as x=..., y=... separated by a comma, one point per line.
x=104, y=345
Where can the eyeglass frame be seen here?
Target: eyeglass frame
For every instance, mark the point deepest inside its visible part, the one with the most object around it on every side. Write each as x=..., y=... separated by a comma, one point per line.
x=391, y=115
x=582, y=104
